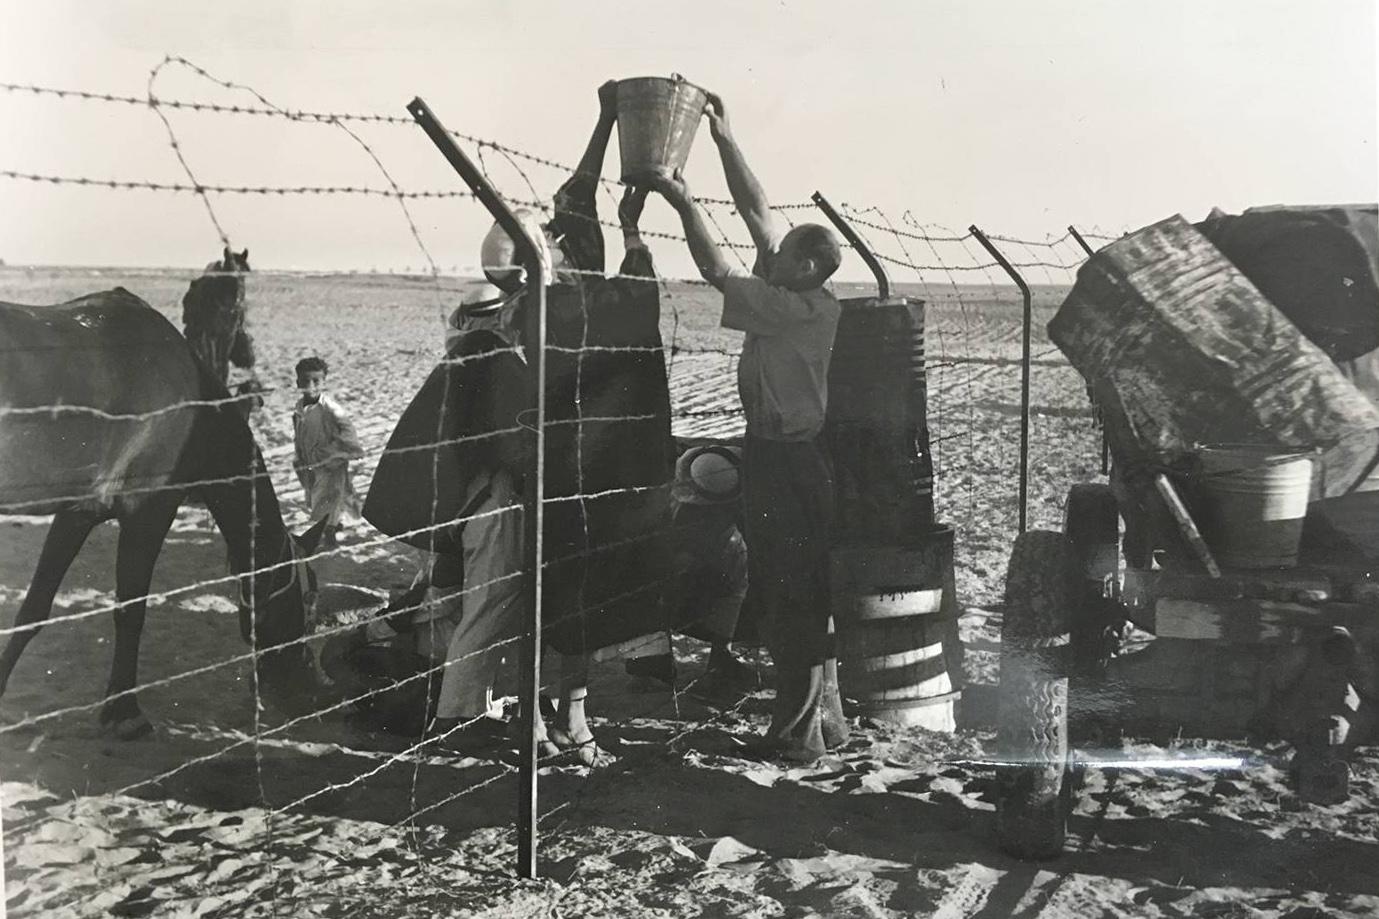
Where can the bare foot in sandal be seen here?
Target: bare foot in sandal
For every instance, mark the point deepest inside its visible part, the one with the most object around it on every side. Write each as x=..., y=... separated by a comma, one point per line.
x=545, y=749
x=571, y=734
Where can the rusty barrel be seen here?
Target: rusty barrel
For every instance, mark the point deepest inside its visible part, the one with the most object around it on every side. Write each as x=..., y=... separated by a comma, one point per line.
x=896, y=615
x=877, y=428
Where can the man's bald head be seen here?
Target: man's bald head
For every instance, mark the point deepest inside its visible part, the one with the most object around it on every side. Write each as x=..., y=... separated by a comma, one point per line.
x=807, y=257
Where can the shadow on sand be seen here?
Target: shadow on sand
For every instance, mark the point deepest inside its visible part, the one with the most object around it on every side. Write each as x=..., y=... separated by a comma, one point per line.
x=669, y=795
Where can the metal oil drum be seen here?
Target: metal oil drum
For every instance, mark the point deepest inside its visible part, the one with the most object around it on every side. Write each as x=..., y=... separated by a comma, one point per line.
x=876, y=428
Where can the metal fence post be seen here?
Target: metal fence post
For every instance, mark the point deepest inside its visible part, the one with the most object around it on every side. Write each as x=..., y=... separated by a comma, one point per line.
x=534, y=343
x=1080, y=241
x=883, y=281
x=1024, y=367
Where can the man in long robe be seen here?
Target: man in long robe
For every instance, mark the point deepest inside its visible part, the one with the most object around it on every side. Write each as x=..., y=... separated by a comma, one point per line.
x=609, y=453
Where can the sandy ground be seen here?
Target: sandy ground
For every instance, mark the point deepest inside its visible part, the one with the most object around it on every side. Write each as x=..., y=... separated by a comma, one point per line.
x=325, y=818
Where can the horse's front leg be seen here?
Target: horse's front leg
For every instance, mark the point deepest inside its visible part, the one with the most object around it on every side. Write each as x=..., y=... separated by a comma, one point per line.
x=65, y=538
x=141, y=539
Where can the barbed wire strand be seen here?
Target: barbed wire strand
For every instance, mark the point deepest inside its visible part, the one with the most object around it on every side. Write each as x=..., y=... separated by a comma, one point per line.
x=255, y=653
x=936, y=455
x=355, y=700
x=995, y=292
x=155, y=107
x=286, y=725
x=967, y=377
x=129, y=483
x=270, y=110
x=412, y=228
x=317, y=713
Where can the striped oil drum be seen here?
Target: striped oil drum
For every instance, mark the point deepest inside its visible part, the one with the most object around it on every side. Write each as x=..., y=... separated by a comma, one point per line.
x=895, y=612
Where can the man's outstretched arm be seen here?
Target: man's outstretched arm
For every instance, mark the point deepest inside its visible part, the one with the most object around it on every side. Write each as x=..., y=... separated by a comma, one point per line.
x=630, y=216
x=575, y=222
x=746, y=191
x=591, y=163
x=637, y=260
x=713, y=267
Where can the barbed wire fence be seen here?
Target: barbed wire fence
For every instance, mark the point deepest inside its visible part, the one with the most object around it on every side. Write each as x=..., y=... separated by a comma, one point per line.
x=972, y=362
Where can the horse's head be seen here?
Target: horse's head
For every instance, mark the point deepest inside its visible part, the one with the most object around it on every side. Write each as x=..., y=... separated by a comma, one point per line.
x=231, y=261
x=279, y=617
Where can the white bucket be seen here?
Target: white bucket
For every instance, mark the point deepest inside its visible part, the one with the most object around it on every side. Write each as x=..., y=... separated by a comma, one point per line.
x=1253, y=501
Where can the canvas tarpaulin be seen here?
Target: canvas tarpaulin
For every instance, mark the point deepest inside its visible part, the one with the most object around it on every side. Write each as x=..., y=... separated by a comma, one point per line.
x=1180, y=348
x=1318, y=265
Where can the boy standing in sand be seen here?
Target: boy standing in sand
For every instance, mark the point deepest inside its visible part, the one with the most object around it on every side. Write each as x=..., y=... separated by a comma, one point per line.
x=325, y=443
x=789, y=320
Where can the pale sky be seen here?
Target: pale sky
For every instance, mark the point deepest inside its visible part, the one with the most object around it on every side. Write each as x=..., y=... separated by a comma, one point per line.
x=1019, y=116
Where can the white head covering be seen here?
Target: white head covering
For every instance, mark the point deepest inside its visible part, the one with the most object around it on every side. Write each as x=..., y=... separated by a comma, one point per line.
x=708, y=475
x=484, y=298
x=498, y=251
x=479, y=307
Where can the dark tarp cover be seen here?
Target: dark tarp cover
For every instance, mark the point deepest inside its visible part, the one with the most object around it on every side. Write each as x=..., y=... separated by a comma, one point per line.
x=419, y=486
x=1179, y=348
x=1318, y=265
x=608, y=553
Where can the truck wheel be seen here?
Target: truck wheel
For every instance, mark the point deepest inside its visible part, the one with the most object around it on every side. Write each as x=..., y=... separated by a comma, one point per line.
x=1032, y=786
x=1092, y=525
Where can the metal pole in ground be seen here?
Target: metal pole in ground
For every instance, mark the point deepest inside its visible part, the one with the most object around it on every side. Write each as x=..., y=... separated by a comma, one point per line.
x=883, y=282
x=534, y=343
x=1024, y=365
x=1105, y=444
x=1080, y=241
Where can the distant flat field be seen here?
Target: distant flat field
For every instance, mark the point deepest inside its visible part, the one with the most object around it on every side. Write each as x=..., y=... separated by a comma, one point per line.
x=381, y=335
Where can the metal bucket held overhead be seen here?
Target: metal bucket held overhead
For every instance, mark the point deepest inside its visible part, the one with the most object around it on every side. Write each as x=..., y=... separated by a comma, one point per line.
x=657, y=118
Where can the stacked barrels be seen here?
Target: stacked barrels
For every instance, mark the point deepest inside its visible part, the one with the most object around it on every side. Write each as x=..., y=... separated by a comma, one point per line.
x=891, y=567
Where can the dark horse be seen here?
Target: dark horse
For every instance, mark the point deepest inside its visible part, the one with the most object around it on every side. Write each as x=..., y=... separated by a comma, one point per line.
x=213, y=316
x=99, y=420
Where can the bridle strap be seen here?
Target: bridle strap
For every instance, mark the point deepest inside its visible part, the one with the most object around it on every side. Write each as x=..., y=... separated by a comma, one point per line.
x=292, y=581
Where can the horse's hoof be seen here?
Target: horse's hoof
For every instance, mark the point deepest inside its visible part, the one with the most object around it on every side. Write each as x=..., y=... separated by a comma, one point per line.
x=129, y=728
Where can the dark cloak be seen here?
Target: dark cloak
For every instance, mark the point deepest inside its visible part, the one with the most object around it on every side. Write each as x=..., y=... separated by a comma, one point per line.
x=609, y=454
